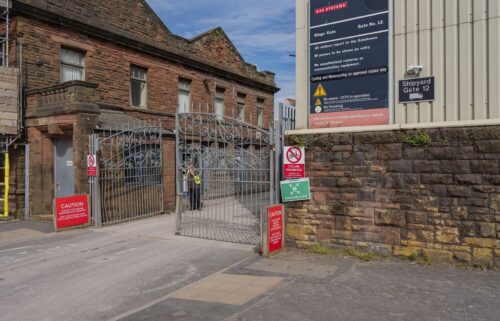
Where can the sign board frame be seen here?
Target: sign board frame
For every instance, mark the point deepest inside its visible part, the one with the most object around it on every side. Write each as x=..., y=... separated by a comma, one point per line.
x=303, y=183
x=420, y=86
x=377, y=115
x=294, y=164
x=275, y=229
x=71, y=212
x=92, y=165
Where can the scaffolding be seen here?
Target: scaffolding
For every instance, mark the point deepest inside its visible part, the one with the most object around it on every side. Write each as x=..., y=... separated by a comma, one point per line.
x=5, y=140
x=5, y=6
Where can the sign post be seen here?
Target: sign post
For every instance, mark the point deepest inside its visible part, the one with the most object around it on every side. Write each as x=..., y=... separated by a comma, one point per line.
x=294, y=162
x=71, y=211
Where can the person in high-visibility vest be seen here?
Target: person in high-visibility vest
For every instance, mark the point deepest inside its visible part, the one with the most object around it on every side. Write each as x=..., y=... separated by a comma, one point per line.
x=194, y=182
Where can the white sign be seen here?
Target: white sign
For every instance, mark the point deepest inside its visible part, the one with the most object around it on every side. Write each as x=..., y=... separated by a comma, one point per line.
x=294, y=162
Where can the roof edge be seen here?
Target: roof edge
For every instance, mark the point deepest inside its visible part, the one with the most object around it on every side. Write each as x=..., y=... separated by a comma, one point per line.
x=128, y=40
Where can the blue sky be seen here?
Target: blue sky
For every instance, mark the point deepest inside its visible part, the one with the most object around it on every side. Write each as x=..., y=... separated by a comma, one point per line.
x=262, y=30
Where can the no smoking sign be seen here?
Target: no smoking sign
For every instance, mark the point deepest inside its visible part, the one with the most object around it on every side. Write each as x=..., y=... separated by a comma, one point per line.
x=294, y=164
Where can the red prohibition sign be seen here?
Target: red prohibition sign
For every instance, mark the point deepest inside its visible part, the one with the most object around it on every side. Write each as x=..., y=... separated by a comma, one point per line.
x=294, y=155
x=91, y=161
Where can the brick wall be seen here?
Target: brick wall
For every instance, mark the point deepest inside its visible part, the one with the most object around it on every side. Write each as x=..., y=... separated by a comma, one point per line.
x=378, y=191
x=133, y=16
x=135, y=20
x=108, y=65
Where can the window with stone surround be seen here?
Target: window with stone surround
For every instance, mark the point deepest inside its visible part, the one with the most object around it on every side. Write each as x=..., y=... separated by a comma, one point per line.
x=72, y=64
x=138, y=86
x=260, y=112
x=241, y=107
x=219, y=103
x=184, y=95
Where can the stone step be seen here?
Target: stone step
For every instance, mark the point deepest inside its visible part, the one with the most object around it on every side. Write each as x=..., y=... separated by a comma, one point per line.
x=7, y=219
x=43, y=217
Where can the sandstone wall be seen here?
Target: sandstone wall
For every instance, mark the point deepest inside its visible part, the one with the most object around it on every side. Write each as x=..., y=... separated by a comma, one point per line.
x=9, y=97
x=381, y=191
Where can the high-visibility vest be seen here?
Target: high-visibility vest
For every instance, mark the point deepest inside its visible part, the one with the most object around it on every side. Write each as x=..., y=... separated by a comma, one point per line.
x=197, y=179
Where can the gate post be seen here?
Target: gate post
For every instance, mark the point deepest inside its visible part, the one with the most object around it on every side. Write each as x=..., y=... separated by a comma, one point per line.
x=94, y=184
x=178, y=222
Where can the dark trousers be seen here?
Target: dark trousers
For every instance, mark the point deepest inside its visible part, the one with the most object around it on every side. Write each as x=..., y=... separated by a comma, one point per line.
x=195, y=198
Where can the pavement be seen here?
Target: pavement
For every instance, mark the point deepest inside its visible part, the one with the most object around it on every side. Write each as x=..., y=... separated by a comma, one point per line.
x=141, y=271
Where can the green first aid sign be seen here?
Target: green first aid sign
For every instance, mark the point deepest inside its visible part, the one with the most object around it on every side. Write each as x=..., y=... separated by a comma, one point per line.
x=296, y=190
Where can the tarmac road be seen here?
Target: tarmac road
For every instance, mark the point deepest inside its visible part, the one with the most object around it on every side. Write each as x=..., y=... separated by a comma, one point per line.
x=140, y=271
x=98, y=273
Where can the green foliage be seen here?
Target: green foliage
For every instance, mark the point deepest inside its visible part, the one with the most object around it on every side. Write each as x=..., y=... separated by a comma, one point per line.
x=297, y=141
x=364, y=256
x=419, y=259
x=418, y=140
x=326, y=250
x=323, y=250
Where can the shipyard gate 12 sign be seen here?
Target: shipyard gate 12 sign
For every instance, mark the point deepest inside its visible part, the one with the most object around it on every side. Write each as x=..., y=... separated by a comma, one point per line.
x=349, y=63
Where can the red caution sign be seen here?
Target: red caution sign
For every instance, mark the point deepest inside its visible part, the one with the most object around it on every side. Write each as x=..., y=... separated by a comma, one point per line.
x=275, y=228
x=294, y=165
x=91, y=165
x=71, y=211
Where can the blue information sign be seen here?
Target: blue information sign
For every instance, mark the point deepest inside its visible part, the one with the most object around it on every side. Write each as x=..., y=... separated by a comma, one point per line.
x=349, y=63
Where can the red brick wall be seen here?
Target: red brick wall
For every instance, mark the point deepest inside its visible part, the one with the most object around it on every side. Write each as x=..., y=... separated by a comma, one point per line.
x=108, y=65
x=133, y=16
x=218, y=48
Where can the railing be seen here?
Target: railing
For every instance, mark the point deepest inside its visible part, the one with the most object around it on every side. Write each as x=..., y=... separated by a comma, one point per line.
x=66, y=98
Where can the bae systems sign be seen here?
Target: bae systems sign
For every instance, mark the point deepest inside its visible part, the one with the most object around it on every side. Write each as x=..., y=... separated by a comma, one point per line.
x=349, y=63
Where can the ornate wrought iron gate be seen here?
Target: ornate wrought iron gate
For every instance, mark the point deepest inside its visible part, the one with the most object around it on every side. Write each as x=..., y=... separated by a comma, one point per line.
x=129, y=185
x=235, y=163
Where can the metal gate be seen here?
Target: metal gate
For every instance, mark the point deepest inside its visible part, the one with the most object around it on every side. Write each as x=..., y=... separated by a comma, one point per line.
x=235, y=161
x=129, y=185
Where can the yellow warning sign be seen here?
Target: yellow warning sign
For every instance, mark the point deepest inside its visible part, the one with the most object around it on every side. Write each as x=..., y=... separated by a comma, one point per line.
x=320, y=91
x=318, y=102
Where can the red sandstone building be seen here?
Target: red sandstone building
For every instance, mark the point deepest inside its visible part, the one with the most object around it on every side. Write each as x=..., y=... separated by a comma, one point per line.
x=88, y=65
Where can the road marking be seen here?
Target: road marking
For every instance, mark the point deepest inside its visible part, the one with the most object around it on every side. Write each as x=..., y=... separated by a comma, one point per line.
x=129, y=250
x=191, y=271
x=166, y=297
x=15, y=249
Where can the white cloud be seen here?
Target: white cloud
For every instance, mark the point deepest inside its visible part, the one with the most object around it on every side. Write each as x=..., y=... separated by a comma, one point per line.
x=262, y=30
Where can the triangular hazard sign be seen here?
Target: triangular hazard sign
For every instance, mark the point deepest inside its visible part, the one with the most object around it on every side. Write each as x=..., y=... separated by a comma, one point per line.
x=318, y=102
x=320, y=91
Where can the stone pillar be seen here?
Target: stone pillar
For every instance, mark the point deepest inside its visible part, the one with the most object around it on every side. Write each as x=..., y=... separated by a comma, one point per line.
x=82, y=128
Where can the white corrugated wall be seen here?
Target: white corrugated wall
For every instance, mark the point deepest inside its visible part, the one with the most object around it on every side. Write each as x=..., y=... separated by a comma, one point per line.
x=458, y=42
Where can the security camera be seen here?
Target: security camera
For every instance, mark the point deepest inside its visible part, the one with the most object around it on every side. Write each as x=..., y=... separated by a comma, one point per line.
x=414, y=70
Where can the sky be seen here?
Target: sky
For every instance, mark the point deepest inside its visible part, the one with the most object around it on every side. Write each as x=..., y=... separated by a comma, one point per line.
x=263, y=31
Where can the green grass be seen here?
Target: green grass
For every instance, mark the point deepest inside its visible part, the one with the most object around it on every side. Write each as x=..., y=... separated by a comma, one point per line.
x=360, y=255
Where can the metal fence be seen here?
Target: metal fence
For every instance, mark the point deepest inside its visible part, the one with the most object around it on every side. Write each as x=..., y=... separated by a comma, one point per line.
x=234, y=161
x=129, y=185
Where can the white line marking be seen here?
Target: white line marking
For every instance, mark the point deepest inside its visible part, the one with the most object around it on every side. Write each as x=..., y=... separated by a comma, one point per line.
x=340, y=39
x=167, y=296
x=129, y=250
x=14, y=249
x=351, y=19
